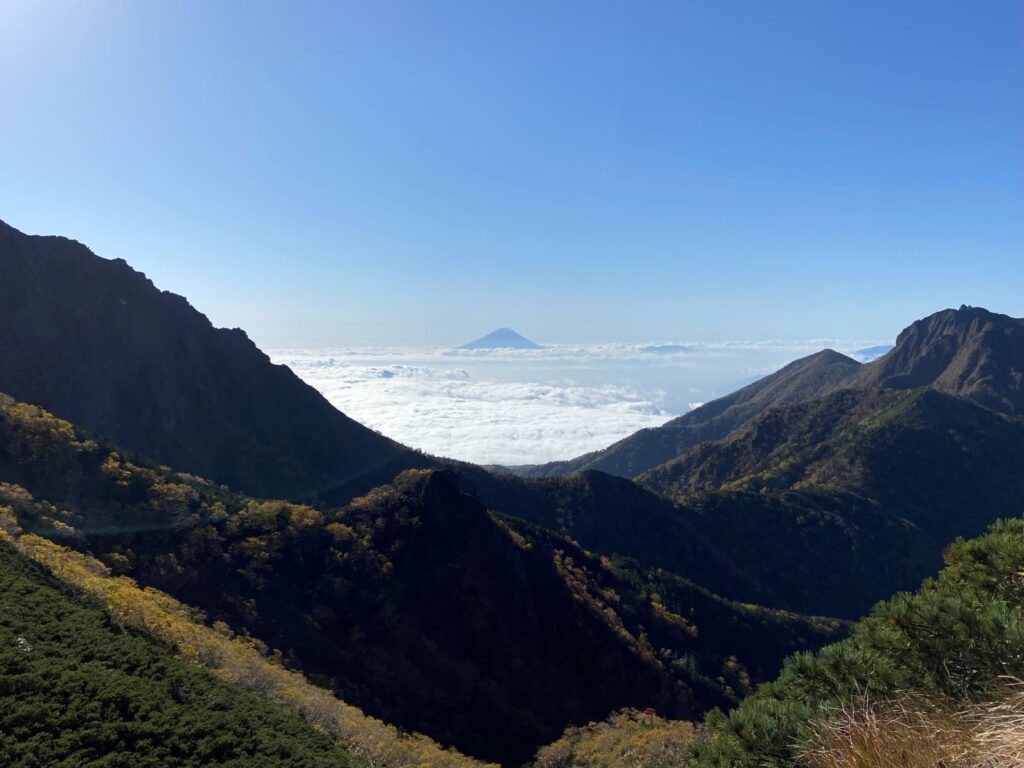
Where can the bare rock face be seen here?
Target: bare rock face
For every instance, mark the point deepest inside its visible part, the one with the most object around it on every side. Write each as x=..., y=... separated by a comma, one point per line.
x=95, y=342
x=969, y=352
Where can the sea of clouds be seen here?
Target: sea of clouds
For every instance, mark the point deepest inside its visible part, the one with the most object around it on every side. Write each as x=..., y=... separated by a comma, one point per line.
x=531, y=406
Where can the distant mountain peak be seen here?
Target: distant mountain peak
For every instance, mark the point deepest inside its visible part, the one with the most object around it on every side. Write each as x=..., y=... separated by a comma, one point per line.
x=502, y=338
x=868, y=354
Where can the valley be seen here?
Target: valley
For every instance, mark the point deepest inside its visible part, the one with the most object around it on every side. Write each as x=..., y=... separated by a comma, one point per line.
x=489, y=609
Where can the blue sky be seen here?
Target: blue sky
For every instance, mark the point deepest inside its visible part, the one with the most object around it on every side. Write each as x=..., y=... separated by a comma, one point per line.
x=422, y=172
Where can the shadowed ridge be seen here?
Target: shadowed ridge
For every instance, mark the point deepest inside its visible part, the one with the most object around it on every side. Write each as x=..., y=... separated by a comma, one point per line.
x=96, y=342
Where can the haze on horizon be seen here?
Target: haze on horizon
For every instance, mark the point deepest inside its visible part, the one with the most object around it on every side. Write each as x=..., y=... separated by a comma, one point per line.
x=393, y=173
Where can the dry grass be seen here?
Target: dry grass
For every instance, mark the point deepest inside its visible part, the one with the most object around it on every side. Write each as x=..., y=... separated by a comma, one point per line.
x=902, y=733
x=912, y=732
x=999, y=729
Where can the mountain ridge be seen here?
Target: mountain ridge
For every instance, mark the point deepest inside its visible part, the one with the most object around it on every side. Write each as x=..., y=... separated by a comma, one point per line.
x=489, y=610
x=648, y=448
x=95, y=341
x=415, y=602
x=969, y=352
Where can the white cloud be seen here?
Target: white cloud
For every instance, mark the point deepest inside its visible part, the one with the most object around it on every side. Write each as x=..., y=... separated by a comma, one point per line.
x=449, y=413
x=530, y=406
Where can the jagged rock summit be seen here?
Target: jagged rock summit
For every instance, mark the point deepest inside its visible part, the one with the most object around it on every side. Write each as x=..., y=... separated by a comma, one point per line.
x=968, y=352
x=503, y=338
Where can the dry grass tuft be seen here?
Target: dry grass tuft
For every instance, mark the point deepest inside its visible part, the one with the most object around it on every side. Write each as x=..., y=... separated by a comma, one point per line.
x=999, y=729
x=913, y=732
x=902, y=733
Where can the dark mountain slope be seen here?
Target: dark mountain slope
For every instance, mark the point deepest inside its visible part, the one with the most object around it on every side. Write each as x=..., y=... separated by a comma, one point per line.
x=969, y=352
x=817, y=552
x=821, y=507
x=77, y=689
x=781, y=441
x=94, y=341
x=615, y=516
x=413, y=602
x=800, y=380
x=899, y=473
x=938, y=461
x=928, y=680
x=957, y=639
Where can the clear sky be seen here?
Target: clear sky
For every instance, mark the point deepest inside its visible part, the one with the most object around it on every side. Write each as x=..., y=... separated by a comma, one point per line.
x=423, y=172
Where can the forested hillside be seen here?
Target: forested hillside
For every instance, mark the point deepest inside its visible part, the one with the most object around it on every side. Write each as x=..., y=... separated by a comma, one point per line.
x=412, y=602
x=908, y=679
x=78, y=689
x=931, y=679
x=900, y=473
x=822, y=507
x=922, y=456
x=485, y=610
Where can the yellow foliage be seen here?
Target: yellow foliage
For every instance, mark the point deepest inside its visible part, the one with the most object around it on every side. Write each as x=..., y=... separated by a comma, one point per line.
x=175, y=498
x=115, y=470
x=239, y=660
x=41, y=423
x=627, y=739
x=8, y=522
x=580, y=585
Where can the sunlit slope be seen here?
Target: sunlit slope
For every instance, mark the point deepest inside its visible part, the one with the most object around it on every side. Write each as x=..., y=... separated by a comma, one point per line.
x=969, y=352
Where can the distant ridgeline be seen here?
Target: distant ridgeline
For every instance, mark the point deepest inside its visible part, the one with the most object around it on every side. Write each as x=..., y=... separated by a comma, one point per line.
x=969, y=353
x=672, y=571
x=868, y=354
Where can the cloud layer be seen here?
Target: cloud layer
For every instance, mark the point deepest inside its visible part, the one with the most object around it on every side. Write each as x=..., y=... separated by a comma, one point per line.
x=531, y=406
x=449, y=413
